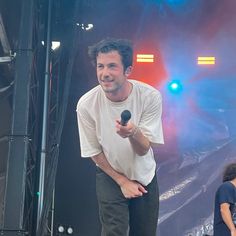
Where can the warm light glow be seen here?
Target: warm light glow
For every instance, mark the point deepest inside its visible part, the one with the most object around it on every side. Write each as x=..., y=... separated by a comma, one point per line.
x=206, y=61
x=206, y=58
x=145, y=58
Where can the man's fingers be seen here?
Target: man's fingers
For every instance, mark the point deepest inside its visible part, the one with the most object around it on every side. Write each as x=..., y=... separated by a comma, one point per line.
x=142, y=189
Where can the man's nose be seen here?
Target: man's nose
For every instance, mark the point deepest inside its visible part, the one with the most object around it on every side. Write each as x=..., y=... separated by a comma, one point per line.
x=105, y=71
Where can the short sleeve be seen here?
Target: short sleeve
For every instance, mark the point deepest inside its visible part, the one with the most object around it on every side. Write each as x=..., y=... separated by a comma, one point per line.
x=87, y=133
x=226, y=194
x=151, y=123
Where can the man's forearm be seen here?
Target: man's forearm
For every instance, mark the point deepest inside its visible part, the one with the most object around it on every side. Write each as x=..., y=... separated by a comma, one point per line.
x=226, y=215
x=129, y=188
x=102, y=162
x=139, y=142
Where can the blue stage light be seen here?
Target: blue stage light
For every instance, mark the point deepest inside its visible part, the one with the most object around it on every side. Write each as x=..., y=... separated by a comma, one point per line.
x=176, y=1
x=175, y=86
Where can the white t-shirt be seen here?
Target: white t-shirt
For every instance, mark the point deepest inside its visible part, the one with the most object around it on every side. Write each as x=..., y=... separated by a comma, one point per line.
x=96, y=120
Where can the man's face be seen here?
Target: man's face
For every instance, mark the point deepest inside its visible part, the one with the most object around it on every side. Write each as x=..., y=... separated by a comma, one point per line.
x=110, y=72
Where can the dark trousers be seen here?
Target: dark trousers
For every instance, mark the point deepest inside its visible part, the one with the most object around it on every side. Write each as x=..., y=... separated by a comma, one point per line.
x=126, y=217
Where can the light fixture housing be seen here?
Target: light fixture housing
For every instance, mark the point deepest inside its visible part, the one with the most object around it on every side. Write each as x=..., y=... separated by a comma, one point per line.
x=70, y=230
x=61, y=229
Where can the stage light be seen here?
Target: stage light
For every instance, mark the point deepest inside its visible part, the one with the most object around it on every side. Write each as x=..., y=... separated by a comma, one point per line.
x=70, y=230
x=175, y=86
x=89, y=27
x=206, y=60
x=145, y=58
x=61, y=229
x=176, y=1
x=85, y=27
x=55, y=45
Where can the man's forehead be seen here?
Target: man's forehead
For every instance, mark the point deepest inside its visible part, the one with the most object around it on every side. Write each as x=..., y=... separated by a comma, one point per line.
x=109, y=53
x=109, y=56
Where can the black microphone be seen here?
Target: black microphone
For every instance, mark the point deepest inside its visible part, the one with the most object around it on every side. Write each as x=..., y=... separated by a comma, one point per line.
x=125, y=116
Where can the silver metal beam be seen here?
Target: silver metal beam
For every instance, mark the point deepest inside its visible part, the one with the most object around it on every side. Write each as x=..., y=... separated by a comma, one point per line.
x=3, y=37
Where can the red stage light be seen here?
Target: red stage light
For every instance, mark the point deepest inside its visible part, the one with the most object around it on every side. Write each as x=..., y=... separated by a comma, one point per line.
x=149, y=58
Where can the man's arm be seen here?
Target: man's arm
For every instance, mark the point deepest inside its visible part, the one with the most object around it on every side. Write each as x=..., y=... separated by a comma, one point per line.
x=139, y=142
x=129, y=188
x=227, y=218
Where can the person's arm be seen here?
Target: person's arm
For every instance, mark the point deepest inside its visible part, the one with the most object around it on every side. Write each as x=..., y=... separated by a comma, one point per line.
x=129, y=188
x=139, y=142
x=148, y=131
x=227, y=218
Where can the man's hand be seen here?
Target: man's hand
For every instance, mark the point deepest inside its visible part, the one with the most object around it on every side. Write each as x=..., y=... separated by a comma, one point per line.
x=132, y=189
x=139, y=142
x=124, y=130
x=129, y=188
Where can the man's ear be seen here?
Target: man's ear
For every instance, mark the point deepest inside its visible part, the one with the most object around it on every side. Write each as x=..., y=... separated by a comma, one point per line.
x=128, y=71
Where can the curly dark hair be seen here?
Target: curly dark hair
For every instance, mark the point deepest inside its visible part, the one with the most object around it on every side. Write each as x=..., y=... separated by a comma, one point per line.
x=122, y=46
x=229, y=172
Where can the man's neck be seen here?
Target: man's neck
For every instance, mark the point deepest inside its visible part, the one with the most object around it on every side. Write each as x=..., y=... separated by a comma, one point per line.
x=233, y=182
x=120, y=97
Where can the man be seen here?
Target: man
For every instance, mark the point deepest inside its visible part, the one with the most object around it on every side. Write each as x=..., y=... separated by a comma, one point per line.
x=225, y=204
x=126, y=184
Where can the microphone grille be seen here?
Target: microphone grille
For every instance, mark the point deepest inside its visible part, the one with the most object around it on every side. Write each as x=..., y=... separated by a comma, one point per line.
x=125, y=115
